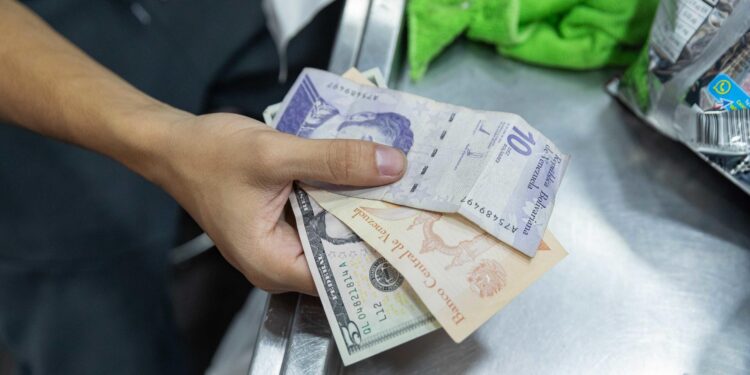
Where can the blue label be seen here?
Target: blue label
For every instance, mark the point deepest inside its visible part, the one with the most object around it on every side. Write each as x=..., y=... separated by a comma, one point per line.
x=729, y=93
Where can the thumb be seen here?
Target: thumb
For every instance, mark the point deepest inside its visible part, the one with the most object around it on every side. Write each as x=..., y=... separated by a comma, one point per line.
x=345, y=162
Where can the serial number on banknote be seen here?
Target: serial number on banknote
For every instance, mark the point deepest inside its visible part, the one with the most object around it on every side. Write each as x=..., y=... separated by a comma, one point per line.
x=355, y=298
x=483, y=210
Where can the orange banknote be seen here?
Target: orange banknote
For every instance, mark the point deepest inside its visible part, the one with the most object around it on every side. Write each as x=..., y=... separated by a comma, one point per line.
x=462, y=274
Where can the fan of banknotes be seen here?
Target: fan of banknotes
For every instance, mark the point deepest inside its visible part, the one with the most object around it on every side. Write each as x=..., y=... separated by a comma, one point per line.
x=451, y=243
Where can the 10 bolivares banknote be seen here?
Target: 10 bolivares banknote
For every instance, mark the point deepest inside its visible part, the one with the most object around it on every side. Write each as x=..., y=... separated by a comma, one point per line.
x=462, y=274
x=492, y=168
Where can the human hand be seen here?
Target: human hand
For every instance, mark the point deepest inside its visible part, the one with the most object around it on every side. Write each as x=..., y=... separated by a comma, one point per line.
x=234, y=176
x=231, y=173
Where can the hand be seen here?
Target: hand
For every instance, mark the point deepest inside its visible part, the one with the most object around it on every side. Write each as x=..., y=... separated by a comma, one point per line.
x=234, y=176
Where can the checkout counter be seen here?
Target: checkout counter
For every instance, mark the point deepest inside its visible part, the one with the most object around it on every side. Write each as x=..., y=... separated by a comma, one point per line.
x=658, y=276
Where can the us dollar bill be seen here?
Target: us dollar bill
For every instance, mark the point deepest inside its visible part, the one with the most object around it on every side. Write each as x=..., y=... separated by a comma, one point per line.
x=369, y=306
x=492, y=168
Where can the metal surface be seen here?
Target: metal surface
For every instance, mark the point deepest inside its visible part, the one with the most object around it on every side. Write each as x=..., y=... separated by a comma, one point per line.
x=294, y=338
x=658, y=276
x=349, y=36
x=311, y=348
x=369, y=37
x=380, y=43
x=273, y=335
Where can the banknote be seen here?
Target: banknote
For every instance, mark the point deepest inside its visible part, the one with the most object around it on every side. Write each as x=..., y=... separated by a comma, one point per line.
x=367, y=302
x=492, y=168
x=270, y=113
x=462, y=274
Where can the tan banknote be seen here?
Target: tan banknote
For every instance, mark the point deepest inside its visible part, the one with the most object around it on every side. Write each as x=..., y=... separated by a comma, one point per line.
x=461, y=273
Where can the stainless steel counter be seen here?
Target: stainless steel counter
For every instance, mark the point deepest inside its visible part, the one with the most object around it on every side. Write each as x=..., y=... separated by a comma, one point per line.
x=658, y=276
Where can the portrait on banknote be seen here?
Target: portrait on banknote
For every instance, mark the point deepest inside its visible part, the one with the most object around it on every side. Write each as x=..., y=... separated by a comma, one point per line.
x=312, y=116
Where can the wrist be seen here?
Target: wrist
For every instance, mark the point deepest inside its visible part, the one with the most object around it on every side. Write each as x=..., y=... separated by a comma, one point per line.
x=147, y=137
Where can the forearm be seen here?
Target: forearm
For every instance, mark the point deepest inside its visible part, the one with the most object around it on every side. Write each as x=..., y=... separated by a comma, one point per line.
x=49, y=86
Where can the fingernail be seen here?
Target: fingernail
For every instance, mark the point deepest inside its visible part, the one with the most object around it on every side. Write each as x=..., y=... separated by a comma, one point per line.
x=390, y=161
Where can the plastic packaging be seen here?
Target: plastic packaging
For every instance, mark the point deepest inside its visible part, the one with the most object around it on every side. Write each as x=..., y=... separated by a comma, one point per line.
x=692, y=80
